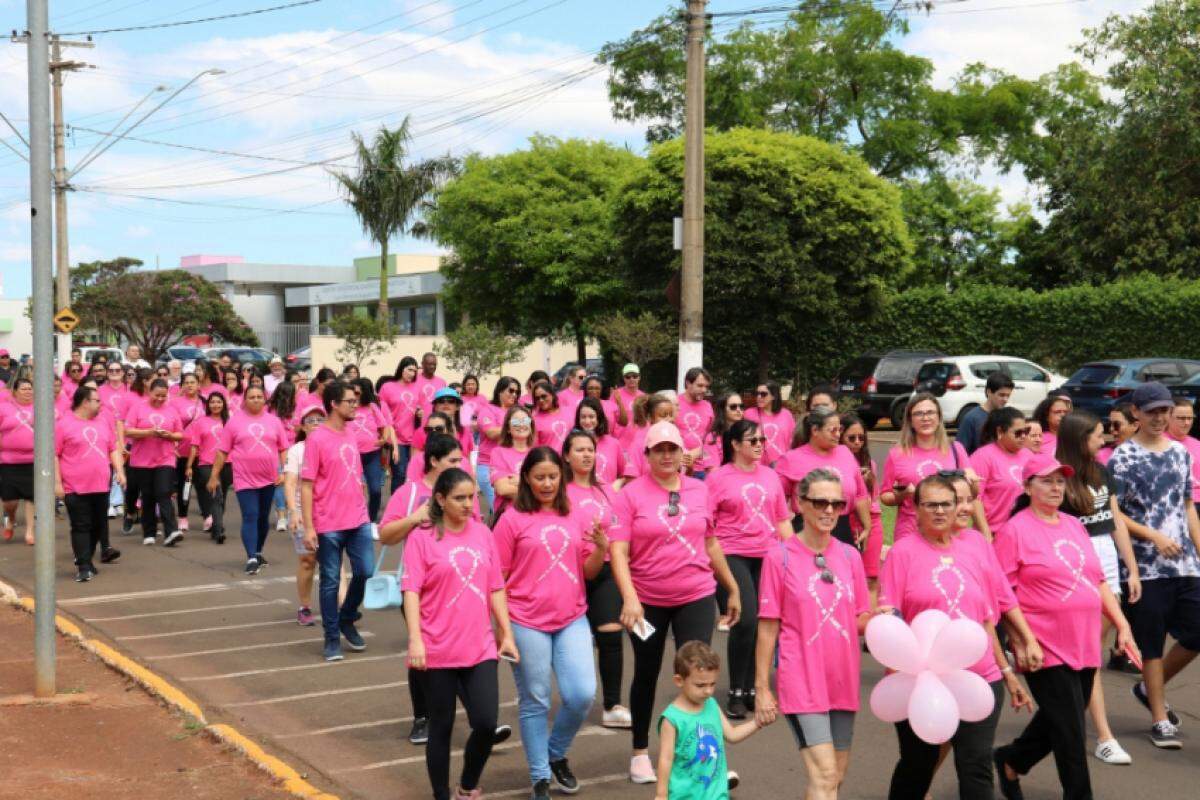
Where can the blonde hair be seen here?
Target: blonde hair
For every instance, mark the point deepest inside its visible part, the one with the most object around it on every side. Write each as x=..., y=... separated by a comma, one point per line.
x=908, y=438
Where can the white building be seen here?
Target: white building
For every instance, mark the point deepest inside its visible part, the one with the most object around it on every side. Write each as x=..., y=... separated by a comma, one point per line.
x=16, y=331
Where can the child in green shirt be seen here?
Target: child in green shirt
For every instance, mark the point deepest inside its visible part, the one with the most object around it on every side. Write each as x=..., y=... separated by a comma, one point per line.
x=691, y=752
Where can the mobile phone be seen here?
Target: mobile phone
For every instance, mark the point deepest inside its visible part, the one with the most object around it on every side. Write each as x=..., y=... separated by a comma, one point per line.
x=644, y=630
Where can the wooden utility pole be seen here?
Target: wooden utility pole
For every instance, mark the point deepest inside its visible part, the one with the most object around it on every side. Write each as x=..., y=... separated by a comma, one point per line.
x=691, y=295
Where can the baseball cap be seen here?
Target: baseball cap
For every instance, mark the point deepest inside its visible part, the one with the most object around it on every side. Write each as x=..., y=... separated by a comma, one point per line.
x=1151, y=395
x=1040, y=465
x=276, y=360
x=629, y=369
x=661, y=432
x=314, y=407
x=446, y=394
x=3, y=352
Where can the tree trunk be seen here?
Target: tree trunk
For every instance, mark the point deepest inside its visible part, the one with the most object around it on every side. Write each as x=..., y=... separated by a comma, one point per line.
x=580, y=346
x=383, y=281
x=764, y=360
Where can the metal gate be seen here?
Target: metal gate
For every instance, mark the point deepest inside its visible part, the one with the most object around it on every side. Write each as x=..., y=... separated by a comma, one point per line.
x=285, y=338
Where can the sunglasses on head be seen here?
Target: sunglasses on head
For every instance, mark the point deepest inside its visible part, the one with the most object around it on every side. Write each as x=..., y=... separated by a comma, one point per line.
x=673, y=504
x=950, y=474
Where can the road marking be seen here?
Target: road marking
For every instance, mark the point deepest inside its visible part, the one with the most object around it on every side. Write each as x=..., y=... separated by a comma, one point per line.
x=524, y=791
x=239, y=626
x=293, y=668
x=376, y=724
x=591, y=730
x=179, y=591
x=147, y=615
x=310, y=695
x=218, y=651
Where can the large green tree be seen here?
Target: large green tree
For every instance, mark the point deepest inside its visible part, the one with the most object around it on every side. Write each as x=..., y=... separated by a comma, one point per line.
x=531, y=239
x=799, y=233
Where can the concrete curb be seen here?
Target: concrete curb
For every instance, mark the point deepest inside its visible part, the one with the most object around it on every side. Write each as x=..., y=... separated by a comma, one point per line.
x=163, y=690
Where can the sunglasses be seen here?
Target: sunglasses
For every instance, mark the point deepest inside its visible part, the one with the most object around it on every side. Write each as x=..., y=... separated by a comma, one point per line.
x=755, y=440
x=435, y=429
x=762, y=394
x=511, y=390
x=822, y=564
x=924, y=414
x=856, y=437
x=673, y=504
x=734, y=407
x=1020, y=433
x=519, y=423
x=540, y=397
x=632, y=376
x=825, y=504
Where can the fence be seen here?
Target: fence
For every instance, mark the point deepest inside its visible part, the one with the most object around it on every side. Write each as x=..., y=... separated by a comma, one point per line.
x=285, y=338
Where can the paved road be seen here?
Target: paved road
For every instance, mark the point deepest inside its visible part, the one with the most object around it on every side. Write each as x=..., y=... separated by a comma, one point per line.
x=233, y=644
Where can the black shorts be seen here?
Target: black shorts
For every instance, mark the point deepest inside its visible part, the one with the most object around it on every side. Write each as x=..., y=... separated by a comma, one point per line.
x=1168, y=606
x=16, y=482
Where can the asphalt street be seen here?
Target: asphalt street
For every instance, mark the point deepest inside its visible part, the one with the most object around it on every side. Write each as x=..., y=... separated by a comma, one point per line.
x=233, y=644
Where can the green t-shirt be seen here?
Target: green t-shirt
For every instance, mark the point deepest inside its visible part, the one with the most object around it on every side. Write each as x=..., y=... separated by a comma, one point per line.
x=698, y=772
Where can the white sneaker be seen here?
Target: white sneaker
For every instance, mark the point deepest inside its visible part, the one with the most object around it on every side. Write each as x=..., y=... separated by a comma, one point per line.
x=1111, y=752
x=641, y=770
x=374, y=532
x=147, y=540
x=723, y=627
x=281, y=523
x=112, y=512
x=208, y=523
x=617, y=717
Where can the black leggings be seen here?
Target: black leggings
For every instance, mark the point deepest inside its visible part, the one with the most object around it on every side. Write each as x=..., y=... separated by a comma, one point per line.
x=89, y=524
x=744, y=635
x=690, y=622
x=212, y=505
x=604, y=608
x=1062, y=695
x=480, y=693
x=156, y=485
x=180, y=482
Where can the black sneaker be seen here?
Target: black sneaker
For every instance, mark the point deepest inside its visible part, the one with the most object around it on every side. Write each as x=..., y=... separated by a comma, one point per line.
x=750, y=698
x=173, y=538
x=1010, y=789
x=563, y=776
x=353, y=639
x=127, y=526
x=109, y=555
x=735, y=706
x=541, y=790
x=333, y=650
x=83, y=575
x=1165, y=735
x=252, y=566
x=219, y=538
x=1139, y=694
x=91, y=568
x=733, y=779
x=262, y=561
x=502, y=734
x=420, y=731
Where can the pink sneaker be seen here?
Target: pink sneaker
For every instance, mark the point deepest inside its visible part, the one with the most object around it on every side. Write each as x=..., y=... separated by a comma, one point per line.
x=208, y=523
x=641, y=770
x=182, y=523
x=474, y=794
x=305, y=617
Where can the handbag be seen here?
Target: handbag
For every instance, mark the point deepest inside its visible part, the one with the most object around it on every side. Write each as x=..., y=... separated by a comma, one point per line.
x=383, y=591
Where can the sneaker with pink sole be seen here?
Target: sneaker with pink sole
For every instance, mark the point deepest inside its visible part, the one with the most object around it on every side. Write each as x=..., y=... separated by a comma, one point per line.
x=641, y=769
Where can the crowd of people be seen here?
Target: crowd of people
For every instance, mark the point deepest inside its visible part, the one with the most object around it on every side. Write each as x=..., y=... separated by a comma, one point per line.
x=542, y=523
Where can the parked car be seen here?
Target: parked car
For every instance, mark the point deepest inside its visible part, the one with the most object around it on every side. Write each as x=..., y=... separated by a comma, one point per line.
x=88, y=354
x=300, y=359
x=242, y=355
x=1099, y=385
x=594, y=366
x=880, y=383
x=184, y=354
x=959, y=381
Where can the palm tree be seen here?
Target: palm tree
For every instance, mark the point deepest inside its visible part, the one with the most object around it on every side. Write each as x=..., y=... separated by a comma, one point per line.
x=386, y=193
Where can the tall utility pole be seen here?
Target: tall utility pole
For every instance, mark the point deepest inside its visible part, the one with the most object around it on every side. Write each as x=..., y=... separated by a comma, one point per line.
x=62, y=253
x=691, y=294
x=43, y=346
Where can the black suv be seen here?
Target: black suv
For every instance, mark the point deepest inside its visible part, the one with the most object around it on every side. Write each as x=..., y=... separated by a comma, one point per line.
x=882, y=382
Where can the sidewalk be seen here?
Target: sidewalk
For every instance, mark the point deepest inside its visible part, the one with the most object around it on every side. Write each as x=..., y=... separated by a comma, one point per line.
x=103, y=736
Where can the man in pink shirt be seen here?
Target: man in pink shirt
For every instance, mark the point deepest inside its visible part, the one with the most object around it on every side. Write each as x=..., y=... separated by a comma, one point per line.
x=695, y=412
x=335, y=517
x=427, y=384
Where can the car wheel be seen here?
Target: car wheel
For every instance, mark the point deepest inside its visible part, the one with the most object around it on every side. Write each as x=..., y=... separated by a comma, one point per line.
x=869, y=421
x=898, y=409
x=962, y=415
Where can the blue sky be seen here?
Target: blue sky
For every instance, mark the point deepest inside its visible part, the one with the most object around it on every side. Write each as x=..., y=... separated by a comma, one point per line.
x=474, y=75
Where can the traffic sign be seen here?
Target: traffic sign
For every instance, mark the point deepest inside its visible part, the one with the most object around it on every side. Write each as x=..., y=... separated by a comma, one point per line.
x=66, y=320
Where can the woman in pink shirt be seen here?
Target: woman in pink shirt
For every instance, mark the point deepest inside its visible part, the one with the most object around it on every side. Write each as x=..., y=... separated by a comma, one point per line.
x=651, y=410
x=924, y=449
x=64, y=396
x=617, y=414
x=611, y=467
x=854, y=439
x=665, y=557
x=453, y=590
x=284, y=405
x=546, y=555
x=189, y=405
x=489, y=420
x=16, y=456
x=234, y=391
x=822, y=449
x=154, y=428
x=86, y=455
x=998, y=463
x=814, y=604
x=750, y=517
x=202, y=439
x=775, y=420
x=436, y=422
x=1049, y=414
x=730, y=409
x=553, y=421
x=370, y=429
x=1122, y=425
x=1057, y=579
x=402, y=398
x=590, y=497
x=516, y=440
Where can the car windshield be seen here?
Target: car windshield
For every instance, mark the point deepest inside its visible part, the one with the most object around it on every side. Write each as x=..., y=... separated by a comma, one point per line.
x=1093, y=374
x=186, y=353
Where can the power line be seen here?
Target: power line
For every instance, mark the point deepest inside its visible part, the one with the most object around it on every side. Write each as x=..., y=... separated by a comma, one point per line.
x=236, y=15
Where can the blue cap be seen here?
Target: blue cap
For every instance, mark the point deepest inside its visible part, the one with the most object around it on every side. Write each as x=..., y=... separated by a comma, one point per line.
x=1151, y=395
x=446, y=392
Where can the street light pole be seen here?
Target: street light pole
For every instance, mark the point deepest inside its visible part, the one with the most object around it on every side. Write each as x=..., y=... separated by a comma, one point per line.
x=691, y=294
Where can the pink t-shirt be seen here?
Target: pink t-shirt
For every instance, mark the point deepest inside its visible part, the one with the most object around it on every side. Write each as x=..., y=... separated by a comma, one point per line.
x=62, y=403
x=712, y=451
x=187, y=409
x=553, y=426
x=1000, y=482
x=778, y=430
x=16, y=433
x=409, y=497
x=84, y=448
x=542, y=555
x=426, y=389
x=667, y=557
x=253, y=444
x=454, y=576
x=746, y=509
x=488, y=417
x=909, y=469
x=113, y=400
x=234, y=401
x=795, y=464
x=693, y=421
x=402, y=400
x=962, y=579
x=506, y=463
x=1104, y=454
x=819, y=654
x=1192, y=445
x=611, y=463
x=1056, y=576
x=569, y=399
x=1049, y=443
x=592, y=503
x=331, y=462
x=205, y=435
x=152, y=451
x=367, y=426
x=624, y=433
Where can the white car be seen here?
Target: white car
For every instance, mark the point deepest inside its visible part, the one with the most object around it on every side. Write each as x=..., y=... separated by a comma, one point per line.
x=959, y=381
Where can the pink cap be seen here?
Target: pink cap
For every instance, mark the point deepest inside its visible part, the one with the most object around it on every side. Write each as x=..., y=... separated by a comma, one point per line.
x=3, y=352
x=1041, y=465
x=661, y=432
x=311, y=407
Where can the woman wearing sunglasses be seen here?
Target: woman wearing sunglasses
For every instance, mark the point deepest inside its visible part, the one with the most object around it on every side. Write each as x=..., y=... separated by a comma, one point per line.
x=664, y=556
x=1122, y=425
x=749, y=518
x=814, y=604
x=998, y=463
x=553, y=421
x=489, y=420
x=952, y=568
x=822, y=450
x=774, y=420
x=730, y=409
x=854, y=438
x=516, y=440
x=611, y=467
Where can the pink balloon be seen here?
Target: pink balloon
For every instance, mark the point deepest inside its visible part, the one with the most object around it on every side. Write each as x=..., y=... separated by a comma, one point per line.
x=926, y=626
x=892, y=642
x=957, y=646
x=932, y=709
x=889, y=698
x=971, y=692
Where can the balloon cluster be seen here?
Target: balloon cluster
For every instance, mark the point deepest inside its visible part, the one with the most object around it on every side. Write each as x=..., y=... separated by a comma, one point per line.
x=931, y=686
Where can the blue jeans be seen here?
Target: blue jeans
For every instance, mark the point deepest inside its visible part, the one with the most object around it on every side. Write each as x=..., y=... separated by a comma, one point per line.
x=256, y=517
x=116, y=495
x=373, y=475
x=483, y=477
x=355, y=542
x=567, y=654
x=400, y=468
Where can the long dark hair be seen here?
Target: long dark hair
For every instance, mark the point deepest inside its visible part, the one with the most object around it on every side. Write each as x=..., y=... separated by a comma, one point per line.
x=735, y=433
x=545, y=386
x=237, y=379
x=998, y=421
x=601, y=418
x=863, y=456
x=446, y=483
x=1042, y=412
x=776, y=393
x=323, y=374
x=579, y=433
x=1073, y=434
x=366, y=391
x=224, y=405
x=438, y=446
x=716, y=430
x=529, y=504
x=501, y=385
x=283, y=402
x=406, y=362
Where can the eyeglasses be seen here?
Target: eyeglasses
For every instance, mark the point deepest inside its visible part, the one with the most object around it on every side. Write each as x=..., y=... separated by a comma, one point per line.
x=825, y=503
x=313, y=420
x=734, y=407
x=755, y=440
x=856, y=437
x=435, y=429
x=762, y=394
x=519, y=422
x=352, y=401
x=673, y=504
x=1020, y=433
x=937, y=508
x=826, y=573
x=926, y=414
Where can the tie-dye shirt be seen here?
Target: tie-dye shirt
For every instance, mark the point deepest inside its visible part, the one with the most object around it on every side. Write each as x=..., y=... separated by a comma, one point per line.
x=1154, y=490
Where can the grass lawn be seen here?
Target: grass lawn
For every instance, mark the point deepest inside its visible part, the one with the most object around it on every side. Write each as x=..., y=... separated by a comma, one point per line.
x=888, y=517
